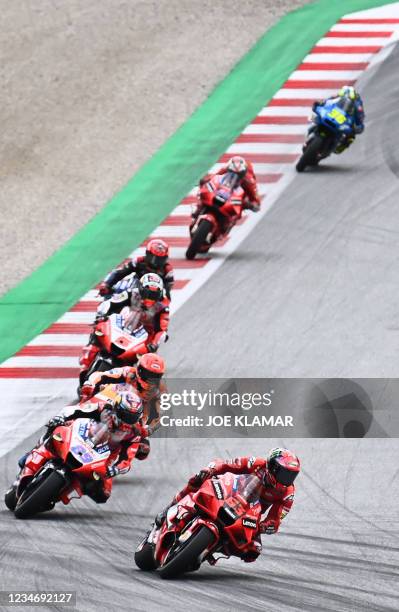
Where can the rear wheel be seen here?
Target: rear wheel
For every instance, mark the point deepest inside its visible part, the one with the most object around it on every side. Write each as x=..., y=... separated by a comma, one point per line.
x=40, y=496
x=310, y=155
x=198, y=239
x=144, y=557
x=186, y=558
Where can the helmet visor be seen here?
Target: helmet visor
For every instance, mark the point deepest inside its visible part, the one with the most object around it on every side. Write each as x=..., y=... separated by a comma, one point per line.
x=127, y=416
x=147, y=293
x=147, y=375
x=284, y=476
x=347, y=105
x=156, y=261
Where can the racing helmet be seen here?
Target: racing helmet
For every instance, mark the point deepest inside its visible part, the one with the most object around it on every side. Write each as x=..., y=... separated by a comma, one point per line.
x=347, y=91
x=157, y=253
x=238, y=165
x=150, y=369
x=151, y=289
x=283, y=466
x=128, y=407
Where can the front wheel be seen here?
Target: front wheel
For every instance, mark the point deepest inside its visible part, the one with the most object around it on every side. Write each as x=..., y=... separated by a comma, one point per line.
x=10, y=498
x=187, y=557
x=39, y=496
x=144, y=557
x=310, y=155
x=199, y=238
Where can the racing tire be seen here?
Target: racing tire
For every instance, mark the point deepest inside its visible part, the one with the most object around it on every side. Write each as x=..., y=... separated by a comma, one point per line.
x=186, y=559
x=10, y=498
x=199, y=238
x=144, y=557
x=309, y=156
x=40, y=496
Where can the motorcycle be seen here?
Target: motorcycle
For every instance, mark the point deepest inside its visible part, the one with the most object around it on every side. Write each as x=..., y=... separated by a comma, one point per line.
x=120, y=343
x=65, y=466
x=222, y=517
x=333, y=124
x=221, y=199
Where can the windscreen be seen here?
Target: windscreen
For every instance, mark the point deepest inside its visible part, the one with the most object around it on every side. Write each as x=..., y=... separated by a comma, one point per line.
x=249, y=486
x=346, y=105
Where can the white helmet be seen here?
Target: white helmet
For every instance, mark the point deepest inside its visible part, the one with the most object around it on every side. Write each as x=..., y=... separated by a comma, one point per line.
x=238, y=165
x=151, y=288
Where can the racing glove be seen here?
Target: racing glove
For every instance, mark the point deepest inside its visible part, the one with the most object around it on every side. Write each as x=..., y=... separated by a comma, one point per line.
x=86, y=391
x=197, y=480
x=317, y=103
x=268, y=527
x=54, y=422
x=108, y=416
x=112, y=471
x=123, y=467
x=205, y=179
x=104, y=289
x=254, y=206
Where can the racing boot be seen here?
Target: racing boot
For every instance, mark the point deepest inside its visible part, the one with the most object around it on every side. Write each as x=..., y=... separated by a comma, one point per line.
x=344, y=144
x=143, y=450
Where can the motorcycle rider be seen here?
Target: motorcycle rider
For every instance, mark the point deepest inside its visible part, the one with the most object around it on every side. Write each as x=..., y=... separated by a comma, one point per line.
x=276, y=472
x=354, y=108
x=156, y=260
x=123, y=417
x=149, y=307
x=244, y=173
x=145, y=377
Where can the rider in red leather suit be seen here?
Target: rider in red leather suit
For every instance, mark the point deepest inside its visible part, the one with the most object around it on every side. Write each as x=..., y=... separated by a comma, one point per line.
x=277, y=473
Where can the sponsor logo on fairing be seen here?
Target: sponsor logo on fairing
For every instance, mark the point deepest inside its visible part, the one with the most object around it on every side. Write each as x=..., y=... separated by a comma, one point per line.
x=250, y=523
x=218, y=489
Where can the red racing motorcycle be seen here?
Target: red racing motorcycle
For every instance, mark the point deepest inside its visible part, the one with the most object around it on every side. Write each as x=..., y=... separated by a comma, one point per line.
x=119, y=343
x=222, y=201
x=74, y=457
x=221, y=518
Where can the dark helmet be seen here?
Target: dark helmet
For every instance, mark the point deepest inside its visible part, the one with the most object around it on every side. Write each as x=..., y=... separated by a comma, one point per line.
x=157, y=253
x=282, y=468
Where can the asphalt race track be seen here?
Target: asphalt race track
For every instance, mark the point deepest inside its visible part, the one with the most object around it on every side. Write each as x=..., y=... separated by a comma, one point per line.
x=338, y=549
x=319, y=271
x=315, y=271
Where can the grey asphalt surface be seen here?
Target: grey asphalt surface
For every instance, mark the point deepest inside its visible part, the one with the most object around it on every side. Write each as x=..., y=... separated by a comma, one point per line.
x=323, y=304
x=327, y=287
x=90, y=91
x=318, y=275
x=338, y=549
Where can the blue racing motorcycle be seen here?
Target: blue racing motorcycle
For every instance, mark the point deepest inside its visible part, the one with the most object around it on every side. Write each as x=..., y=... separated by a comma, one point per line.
x=332, y=125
